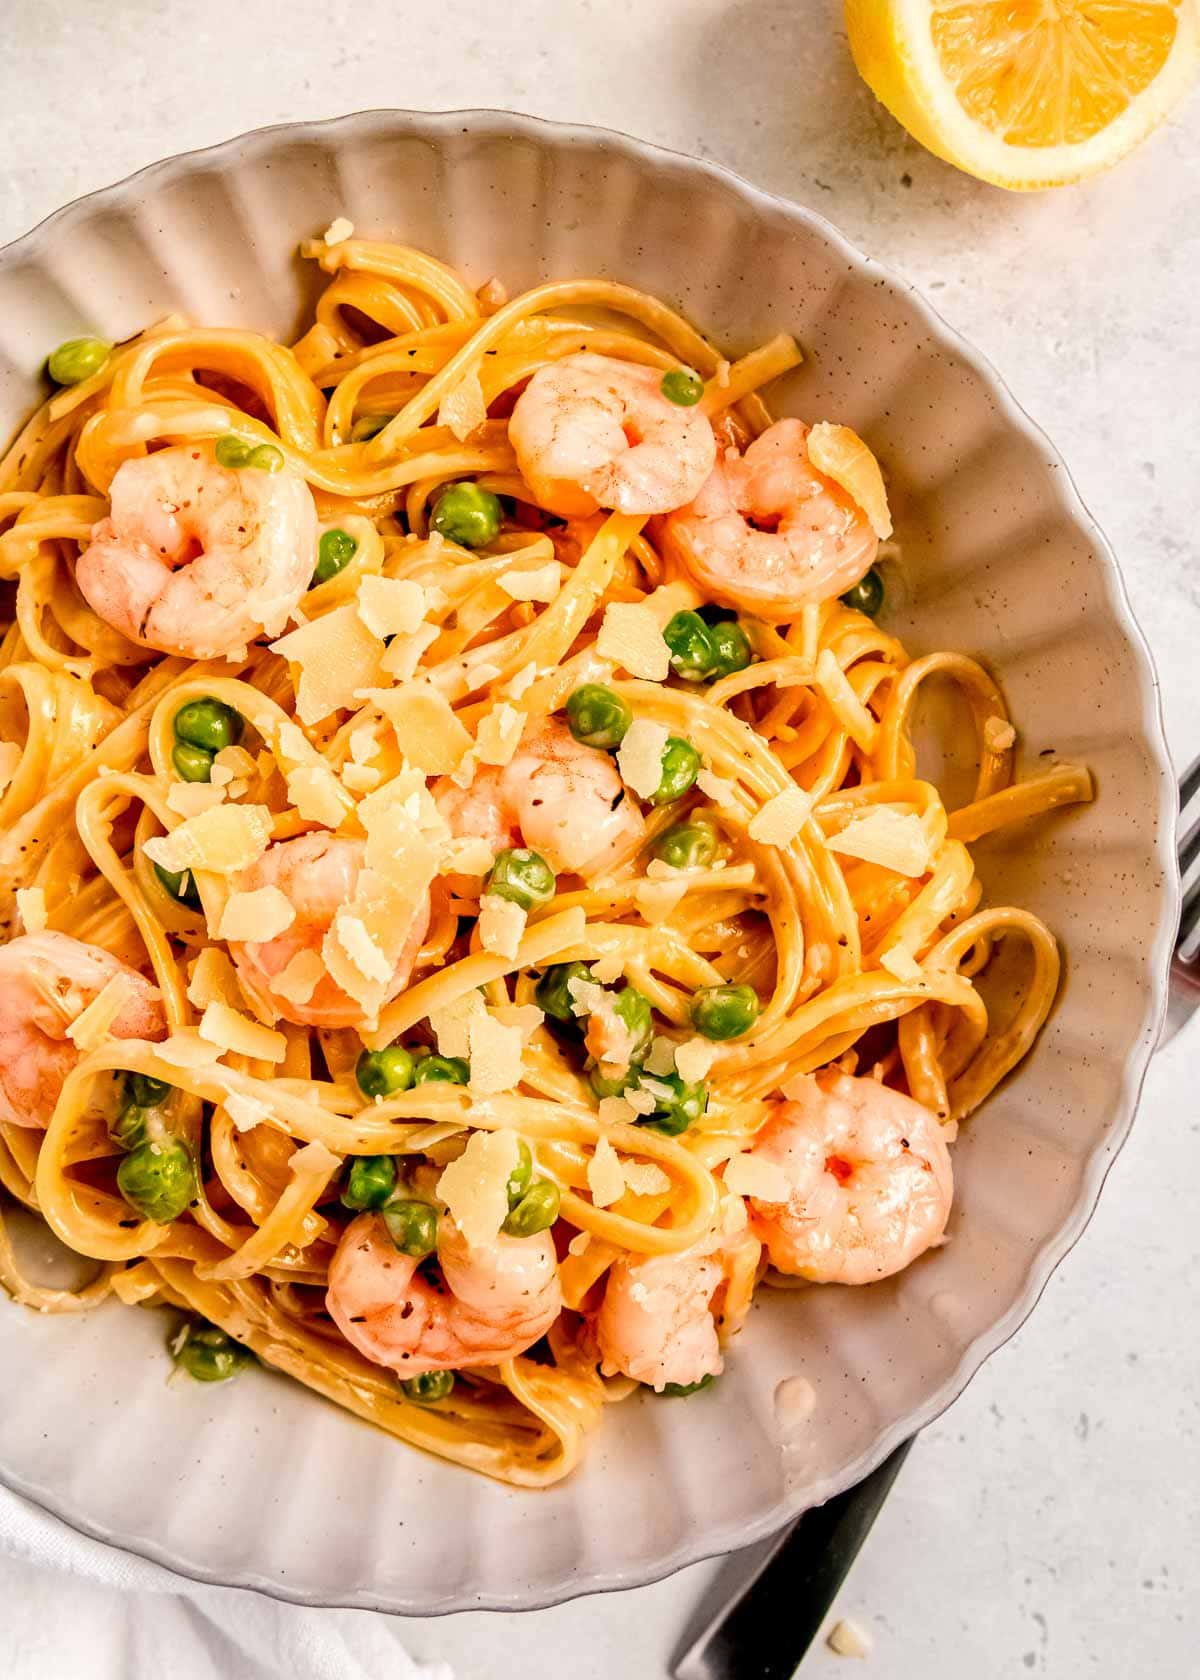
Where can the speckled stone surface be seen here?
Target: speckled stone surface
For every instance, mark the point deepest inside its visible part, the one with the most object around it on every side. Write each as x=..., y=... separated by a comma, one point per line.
x=1048, y=1523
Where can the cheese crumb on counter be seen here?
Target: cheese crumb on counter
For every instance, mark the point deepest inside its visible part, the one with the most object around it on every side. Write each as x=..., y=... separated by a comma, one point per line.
x=847, y=1639
x=998, y=734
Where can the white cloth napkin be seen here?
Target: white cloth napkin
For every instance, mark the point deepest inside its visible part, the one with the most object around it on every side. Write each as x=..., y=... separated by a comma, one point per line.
x=72, y=1606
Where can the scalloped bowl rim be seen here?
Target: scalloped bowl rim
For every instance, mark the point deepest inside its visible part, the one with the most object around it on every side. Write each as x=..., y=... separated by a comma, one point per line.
x=736, y=1534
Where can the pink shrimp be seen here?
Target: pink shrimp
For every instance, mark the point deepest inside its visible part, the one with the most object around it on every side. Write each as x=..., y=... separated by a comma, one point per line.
x=592, y=431
x=869, y=1178
x=46, y=981
x=317, y=873
x=496, y=1301
x=770, y=534
x=198, y=559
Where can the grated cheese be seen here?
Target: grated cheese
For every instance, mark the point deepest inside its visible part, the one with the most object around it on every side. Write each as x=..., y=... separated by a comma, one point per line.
x=463, y=408
x=318, y=795
x=232, y=1031
x=427, y=731
x=188, y=799
x=466, y=855
x=847, y=1639
x=299, y=980
x=475, y=1187
x=640, y=755
x=338, y=230
x=256, y=916
x=605, y=1179
x=337, y=657
x=694, y=1058
x=644, y=1178
x=246, y=1112
x=94, y=1024
x=540, y=583
x=998, y=734
x=893, y=839
x=224, y=840
x=781, y=818
x=722, y=792
x=391, y=606
x=495, y=1056
x=212, y=978
x=31, y=907
x=499, y=734
x=451, y=1025
x=751, y=1175
x=630, y=636
x=900, y=961
x=501, y=925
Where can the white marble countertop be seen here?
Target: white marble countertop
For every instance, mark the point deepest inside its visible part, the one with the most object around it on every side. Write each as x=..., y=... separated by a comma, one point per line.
x=1048, y=1524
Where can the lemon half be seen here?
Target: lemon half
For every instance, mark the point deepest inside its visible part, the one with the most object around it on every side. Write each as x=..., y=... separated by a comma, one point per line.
x=1027, y=93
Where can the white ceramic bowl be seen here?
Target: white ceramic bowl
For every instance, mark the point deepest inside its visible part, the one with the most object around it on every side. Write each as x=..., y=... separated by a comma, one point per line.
x=262, y=1484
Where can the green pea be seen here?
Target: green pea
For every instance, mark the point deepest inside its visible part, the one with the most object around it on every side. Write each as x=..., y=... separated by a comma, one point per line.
x=722, y=1012
x=129, y=1128
x=634, y=1011
x=690, y=641
x=523, y=877
x=429, y=1387
x=335, y=551
x=688, y=845
x=434, y=1070
x=553, y=991
x=867, y=594
x=210, y=724
x=180, y=886
x=158, y=1180
x=144, y=1091
x=676, y=1104
x=597, y=716
x=194, y=764
x=382, y=1073
x=682, y=385
x=78, y=359
x=233, y=451
x=680, y=767
x=205, y=1352
x=467, y=515
x=520, y=1177
x=413, y=1227
x=368, y=426
x=731, y=646
x=370, y=1182
x=680, y=1391
x=536, y=1211
x=266, y=458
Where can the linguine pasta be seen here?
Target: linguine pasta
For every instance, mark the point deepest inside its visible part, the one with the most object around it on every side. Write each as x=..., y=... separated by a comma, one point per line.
x=834, y=882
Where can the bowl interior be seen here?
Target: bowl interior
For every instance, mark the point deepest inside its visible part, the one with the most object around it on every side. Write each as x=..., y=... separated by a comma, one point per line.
x=998, y=559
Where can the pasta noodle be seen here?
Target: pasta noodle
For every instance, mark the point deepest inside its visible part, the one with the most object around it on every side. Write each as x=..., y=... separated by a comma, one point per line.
x=408, y=678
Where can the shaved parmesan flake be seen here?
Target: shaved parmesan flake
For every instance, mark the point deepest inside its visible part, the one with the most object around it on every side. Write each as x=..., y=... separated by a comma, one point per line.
x=404, y=652
x=391, y=606
x=644, y=1178
x=256, y=916
x=750, y=1175
x=781, y=818
x=998, y=734
x=361, y=778
x=10, y=758
x=358, y=945
x=294, y=744
x=463, y=408
x=579, y=1243
x=224, y=840
x=630, y=636
x=465, y=774
x=188, y=799
x=232, y=1031
x=364, y=744
x=522, y=682
x=212, y=979
x=492, y=295
x=318, y=796
x=585, y=996
x=893, y=839
x=234, y=761
x=501, y=925
x=475, y=1187
x=615, y=1111
x=466, y=855
x=338, y=230
x=847, y=1639
x=299, y=980
x=657, y=899
x=186, y=1049
x=643, y=1100
x=639, y=758
x=526, y=1017
x=451, y=1026
x=31, y=907
x=605, y=1179
x=540, y=583
x=842, y=455
x=94, y=1024
x=499, y=734
x=337, y=656
x=608, y=969
x=495, y=1056
x=316, y=1159
x=427, y=731
x=660, y=1058
x=900, y=962
x=246, y=1112
x=693, y=1059
x=732, y=1216
x=719, y=789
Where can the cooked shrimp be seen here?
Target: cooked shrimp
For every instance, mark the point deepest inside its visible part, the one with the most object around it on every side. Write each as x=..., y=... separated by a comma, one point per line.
x=870, y=1181
x=47, y=980
x=561, y=799
x=198, y=559
x=770, y=534
x=317, y=873
x=659, y=1320
x=590, y=431
x=492, y=1303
